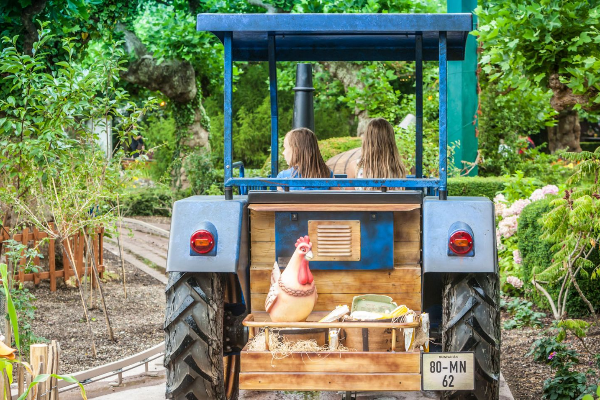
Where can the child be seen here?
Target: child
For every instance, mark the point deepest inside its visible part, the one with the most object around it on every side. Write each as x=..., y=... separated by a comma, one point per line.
x=379, y=157
x=302, y=154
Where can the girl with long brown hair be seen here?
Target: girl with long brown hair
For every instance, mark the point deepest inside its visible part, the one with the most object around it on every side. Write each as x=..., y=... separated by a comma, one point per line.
x=302, y=154
x=379, y=156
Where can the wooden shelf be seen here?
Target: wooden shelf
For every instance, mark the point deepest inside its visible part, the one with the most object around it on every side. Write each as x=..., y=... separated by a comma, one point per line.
x=334, y=207
x=250, y=322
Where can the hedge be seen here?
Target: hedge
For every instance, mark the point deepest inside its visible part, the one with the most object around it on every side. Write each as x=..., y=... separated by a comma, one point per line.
x=536, y=254
x=475, y=186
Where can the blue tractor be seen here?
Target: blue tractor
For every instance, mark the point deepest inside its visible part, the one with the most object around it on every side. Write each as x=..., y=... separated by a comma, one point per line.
x=433, y=253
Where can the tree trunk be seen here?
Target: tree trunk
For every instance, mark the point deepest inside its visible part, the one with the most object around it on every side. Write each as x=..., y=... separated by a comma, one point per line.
x=177, y=80
x=566, y=133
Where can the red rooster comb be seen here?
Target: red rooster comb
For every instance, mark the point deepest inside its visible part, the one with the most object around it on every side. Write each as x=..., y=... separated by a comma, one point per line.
x=303, y=239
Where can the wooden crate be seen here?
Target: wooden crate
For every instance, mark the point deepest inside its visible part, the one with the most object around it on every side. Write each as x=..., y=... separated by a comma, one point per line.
x=352, y=370
x=403, y=283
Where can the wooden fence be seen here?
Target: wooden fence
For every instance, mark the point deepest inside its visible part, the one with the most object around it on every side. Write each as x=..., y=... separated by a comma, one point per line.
x=31, y=238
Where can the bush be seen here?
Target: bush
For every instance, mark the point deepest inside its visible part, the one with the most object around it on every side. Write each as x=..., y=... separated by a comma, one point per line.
x=475, y=186
x=536, y=255
x=159, y=133
x=148, y=202
x=535, y=252
x=334, y=146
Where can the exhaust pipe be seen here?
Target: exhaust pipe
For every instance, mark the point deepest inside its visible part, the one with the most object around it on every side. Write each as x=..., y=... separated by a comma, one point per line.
x=304, y=110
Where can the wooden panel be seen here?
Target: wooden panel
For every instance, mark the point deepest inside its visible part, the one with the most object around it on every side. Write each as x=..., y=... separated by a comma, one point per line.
x=334, y=207
x=384, y=281
x=329, y=381
x=328, y=301
x=371, y=362
x=404, y=252
x=262, y=226
x=407, y=226
x=335, y=237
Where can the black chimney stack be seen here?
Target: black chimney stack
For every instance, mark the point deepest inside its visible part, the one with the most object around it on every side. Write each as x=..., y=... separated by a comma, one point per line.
x=304, y=111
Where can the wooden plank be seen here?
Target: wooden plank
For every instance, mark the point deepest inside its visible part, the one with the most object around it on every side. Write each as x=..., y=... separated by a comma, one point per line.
x=381, y=281
x=328, y=301
x=350, y=362
x=262, y=226
x=404, y=252
x=407, y=226
x=333, y=207
x=328, y=381
x=36, y=260
x=407, y=252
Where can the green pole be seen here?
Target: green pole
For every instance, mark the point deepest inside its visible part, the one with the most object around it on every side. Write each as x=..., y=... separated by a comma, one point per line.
x=462, y=95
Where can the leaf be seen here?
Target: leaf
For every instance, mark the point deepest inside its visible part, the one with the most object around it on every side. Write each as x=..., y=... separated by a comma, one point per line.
x=12, y=313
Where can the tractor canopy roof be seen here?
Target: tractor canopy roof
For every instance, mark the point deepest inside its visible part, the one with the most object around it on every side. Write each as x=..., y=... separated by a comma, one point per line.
x=339, y=37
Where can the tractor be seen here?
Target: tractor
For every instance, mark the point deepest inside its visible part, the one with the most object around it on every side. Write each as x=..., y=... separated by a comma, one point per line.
x=432, y=252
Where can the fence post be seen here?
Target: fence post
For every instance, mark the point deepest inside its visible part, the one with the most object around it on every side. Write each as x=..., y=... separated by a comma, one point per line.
x=52, y=264
x=38, y=358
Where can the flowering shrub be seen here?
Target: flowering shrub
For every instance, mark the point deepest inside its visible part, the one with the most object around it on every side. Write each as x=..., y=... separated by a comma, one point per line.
x=507, y=219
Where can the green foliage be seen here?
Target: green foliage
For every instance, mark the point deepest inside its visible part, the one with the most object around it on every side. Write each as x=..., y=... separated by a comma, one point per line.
x=334, y=146
x=577, y=327
x=476, y=186
x=201, y=174
x=506, y=118
x=523, y=315
x=159, y=135
x=518, y=187
x=535, y=252
x=566, y=385
x=542, y=348
x=156, y=201
x=48, y=133
x=526, y=41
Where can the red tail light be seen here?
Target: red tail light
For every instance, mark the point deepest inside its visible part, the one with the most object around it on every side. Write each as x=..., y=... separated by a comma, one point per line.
x=202, y=242
x=460, y=242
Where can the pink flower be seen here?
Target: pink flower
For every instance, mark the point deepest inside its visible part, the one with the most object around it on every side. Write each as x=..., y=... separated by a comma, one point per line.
x=499, y=209
x=537, y=194
x=552, y=355
x=515, y=282
x=508, y=226
x=550, y=189
x=499, y=198
x=516, y=208
x=517, y=257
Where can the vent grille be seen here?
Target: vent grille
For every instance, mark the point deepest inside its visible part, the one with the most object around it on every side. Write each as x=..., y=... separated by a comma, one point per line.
x=335, y=240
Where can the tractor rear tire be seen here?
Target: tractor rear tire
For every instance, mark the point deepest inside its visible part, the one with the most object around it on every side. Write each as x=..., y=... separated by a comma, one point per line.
x=196, y=368
x=471, y=322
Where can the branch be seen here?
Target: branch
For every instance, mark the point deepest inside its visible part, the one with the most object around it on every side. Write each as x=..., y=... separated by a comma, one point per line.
x=545, y=293
x=271, y=9
x=174, y=78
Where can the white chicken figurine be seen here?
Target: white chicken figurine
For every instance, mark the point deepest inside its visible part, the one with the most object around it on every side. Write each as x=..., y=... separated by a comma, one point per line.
x=293, y=293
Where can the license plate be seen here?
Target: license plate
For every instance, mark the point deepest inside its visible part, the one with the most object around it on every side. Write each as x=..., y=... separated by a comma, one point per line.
x=448, y=371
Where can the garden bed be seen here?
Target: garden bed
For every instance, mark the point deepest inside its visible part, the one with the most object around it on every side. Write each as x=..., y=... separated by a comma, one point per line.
x=137, y=321
x=524, y=376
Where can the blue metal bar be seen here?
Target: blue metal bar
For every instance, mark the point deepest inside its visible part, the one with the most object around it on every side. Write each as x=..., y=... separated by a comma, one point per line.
x=228, y=110
x=274, y=110
x=443, y=117
x=240, y=165
x=333, y=24
x=332, y=182
x=419, y=105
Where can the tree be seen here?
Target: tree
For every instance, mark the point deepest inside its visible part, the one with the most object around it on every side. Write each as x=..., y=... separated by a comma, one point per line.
x=552, y=43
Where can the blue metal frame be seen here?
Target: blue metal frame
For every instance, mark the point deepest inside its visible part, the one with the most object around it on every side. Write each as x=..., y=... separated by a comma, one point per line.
x=274, y=110
x=419, y=105
x=443, y=116
x=339, y=37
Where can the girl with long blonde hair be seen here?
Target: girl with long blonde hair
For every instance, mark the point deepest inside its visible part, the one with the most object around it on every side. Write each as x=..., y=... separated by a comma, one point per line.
x=302, y=154
x=379, y=156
